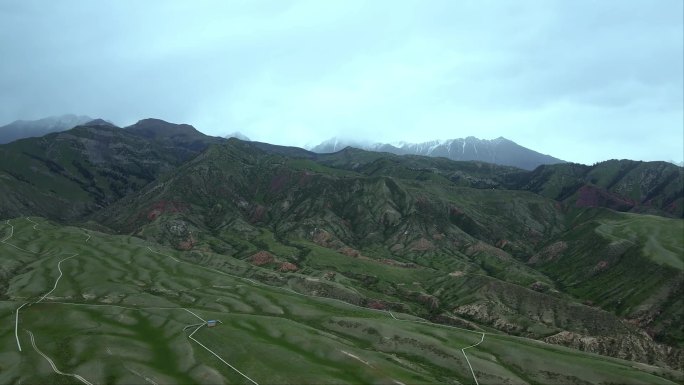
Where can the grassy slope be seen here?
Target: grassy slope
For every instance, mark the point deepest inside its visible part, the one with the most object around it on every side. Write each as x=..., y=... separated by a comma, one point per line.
x=660, y=236
x=69, y=174
x=607, y=253
x=236, y=201
x=116, y=317
x=624, y=185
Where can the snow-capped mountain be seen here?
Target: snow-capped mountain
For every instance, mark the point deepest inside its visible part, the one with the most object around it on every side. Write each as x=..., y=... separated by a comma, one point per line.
x=499, y=151
x=34, y=128
x=337, y=144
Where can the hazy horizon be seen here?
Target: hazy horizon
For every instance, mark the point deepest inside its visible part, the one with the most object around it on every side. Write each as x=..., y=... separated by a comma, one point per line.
x=581, y=81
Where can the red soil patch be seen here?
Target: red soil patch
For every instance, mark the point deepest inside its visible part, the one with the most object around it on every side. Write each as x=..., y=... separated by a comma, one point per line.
x=349, y=252
x=287, y=266
x=392, y=262
x=277, y=183
x=187, y=244
x=592, y=196
x=261, y=258
x=162, y=207
x=322, y=238
x=377, y=305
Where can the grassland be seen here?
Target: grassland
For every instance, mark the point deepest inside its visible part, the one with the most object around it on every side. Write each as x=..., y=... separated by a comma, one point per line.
x=118, y=311
x=661, y=237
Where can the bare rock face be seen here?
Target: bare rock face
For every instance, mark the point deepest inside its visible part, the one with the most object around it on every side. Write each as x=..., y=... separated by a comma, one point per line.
x=630, y=347
x=483, y=314
x=178, y=228
x=421, y=244
x=180, y=234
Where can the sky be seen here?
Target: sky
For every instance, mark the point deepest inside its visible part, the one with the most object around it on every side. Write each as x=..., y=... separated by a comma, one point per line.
x=580, y=80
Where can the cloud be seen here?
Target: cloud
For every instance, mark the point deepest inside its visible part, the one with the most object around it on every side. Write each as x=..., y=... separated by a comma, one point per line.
x=564, y=78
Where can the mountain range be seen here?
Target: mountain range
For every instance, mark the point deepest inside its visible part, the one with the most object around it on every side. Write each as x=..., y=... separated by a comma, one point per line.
x=35, y=128
x=558, y=262
x=498, y=151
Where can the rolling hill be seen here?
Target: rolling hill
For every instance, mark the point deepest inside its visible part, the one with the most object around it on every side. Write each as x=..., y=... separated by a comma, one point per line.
x=331, y=258
x=297, y=208
x=116, y=309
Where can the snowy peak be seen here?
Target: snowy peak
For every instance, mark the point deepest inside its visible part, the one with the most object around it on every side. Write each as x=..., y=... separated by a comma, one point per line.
x=499, y=151
x=336, y=144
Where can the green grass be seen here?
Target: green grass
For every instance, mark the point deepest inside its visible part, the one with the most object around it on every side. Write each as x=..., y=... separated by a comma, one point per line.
x=662, y=237
x=324, y=258
x=117, y=316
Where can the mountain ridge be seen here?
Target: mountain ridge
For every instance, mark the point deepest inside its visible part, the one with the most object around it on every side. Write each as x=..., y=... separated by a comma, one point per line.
x=549, y=254
x=20, y=129
x=394, y=215
x=499, y=151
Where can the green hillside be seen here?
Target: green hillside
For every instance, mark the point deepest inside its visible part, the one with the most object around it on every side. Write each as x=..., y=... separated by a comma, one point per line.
x=622, y=185
x=112, y=309
x=323, y=252
x=450, y=253
x=70, y=174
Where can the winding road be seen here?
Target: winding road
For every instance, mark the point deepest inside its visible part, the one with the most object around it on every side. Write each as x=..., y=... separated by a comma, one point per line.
x=35, y=224
x=86, y=233
x=468, y=361
x=217, y=356
x=16, y=325
x=197, y=326
x=11, y=232
x=59, y=267
x=54, y=367
x=16, y=320
x=10, y=236
x=422, y=321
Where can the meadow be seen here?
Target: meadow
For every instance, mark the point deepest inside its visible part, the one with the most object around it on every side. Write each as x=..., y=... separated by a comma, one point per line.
x=80, y=306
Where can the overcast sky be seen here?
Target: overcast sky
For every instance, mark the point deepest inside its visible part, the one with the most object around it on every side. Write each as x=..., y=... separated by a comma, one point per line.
x=583, y=81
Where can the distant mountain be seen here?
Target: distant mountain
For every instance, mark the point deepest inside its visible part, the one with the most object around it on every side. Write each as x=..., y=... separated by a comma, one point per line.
x=72, y=173
x=498, y=151
x=35, y=128
x=336, y=144
x=543, y=254
x=474, y=239
x=178, y=138
x=238, y=135
x=621, y=185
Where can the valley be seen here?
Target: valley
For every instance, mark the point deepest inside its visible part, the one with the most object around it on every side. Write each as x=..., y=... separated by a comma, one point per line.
x=113, y=309
x=119, y=244
x=341, y=193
